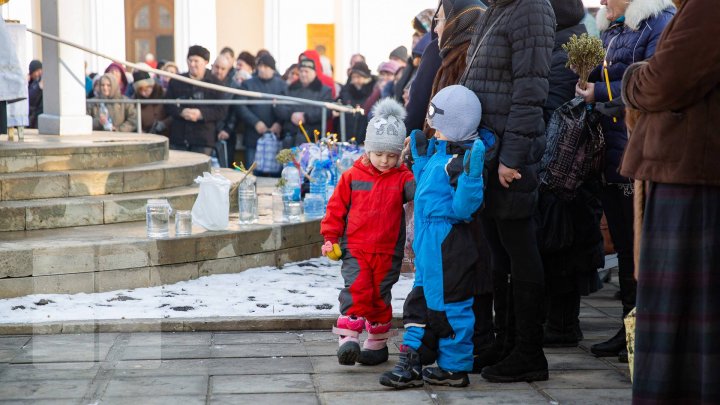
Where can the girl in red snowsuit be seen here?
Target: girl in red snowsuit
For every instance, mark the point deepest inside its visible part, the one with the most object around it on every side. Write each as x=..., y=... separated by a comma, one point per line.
x=365, y=228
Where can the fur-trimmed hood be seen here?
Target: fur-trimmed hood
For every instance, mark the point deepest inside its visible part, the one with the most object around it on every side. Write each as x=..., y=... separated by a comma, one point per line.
x=637, y=12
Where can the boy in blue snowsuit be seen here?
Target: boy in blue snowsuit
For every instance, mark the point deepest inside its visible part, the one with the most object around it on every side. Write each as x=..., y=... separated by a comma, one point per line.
x=438, y=315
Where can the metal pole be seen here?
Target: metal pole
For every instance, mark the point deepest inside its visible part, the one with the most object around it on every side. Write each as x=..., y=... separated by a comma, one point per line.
x=139, y=117
x=343, y=136
x=323, y=127
x=3, y=118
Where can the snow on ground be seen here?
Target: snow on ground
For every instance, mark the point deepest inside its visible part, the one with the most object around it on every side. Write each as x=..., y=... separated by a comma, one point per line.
x=304, y=288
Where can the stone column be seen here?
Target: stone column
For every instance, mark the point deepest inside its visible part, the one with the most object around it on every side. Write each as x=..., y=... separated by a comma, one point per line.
x=64, y=111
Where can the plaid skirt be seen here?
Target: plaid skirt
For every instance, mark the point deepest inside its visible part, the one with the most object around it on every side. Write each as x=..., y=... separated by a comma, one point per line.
x=677, y=337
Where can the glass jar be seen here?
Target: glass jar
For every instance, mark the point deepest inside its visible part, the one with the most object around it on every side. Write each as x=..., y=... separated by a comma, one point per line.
x=247, y=202
x=157, y=218
x=279, y=213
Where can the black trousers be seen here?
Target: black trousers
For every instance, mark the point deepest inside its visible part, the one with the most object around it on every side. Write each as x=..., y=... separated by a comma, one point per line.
x=514, y=249
x=618, y=208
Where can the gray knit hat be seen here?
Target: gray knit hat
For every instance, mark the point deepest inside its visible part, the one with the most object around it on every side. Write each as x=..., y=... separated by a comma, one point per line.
x=455, y=111
x=386, y=130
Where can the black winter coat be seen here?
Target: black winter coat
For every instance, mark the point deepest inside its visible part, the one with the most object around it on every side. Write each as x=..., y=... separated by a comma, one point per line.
x=313, y=115
x=562, y=80
x=509, y=74
x=200, y=133
x=252, y=114
x=356, y=124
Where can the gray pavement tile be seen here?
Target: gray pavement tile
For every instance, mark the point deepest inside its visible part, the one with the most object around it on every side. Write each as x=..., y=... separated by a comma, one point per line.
x=329, y=364
x=219, y=366
x=13, y=342
x=142, y=386
x=64, y=401
x=586, y=379
x=75, y=339
x=600, y=301
x=339, y=382
x=165, y=352
x=259, y=350
x=591, y=312
x=49, y=371
x=155, y=400
x=238, y=338
x=612, y=312
x=386, y=396
x=315, y=336
x=575, y=362
x=330, y=348
x=47, y=389
x=497, y=396
x=265, y=399
x=261, y=383
x=563, y=350
x=477, y=383
x=7, y=355
x=170, y=339
x=38, y=352
x=603, y=396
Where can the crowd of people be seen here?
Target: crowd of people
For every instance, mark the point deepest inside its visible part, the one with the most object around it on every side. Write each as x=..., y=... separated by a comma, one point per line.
x=201, y=128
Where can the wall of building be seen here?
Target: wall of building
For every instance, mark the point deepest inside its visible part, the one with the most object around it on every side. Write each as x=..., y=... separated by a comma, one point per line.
x=241, y=25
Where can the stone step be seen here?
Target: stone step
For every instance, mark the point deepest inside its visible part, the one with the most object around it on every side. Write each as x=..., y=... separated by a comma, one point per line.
x=89, y=210
x=68, y=212
x=179, y=170
x=50, y=153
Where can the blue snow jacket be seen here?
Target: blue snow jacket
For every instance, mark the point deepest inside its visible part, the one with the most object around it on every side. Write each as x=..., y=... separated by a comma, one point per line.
x=632, y=38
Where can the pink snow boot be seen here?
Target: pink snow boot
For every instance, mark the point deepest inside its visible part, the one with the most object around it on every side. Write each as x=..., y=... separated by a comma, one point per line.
x=349, y=328
x=375, y=350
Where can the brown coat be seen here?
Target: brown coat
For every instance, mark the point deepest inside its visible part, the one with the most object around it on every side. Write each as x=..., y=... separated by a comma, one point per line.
x=676, y=139
x=150, y=114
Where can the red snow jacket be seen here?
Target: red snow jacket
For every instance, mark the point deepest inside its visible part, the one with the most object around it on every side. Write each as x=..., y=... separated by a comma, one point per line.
x=366, y=209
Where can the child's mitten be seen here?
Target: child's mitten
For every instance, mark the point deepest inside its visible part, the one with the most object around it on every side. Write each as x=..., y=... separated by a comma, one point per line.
x=474, y=159
x=331, y=250
x=420, y=146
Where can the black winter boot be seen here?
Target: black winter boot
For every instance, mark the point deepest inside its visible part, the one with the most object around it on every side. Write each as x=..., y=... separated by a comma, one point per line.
x=628, y=289
x=504, y=326
x=406, y=374
x=527, y=361
x=438, y=376
x=611, y=347
x=562, y=322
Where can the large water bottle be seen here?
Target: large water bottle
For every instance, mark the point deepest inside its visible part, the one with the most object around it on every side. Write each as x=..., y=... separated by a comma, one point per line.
x=319, y=183
x=291, y=177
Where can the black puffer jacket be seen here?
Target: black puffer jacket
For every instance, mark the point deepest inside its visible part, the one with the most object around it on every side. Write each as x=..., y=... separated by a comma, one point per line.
x=509, y=74
x=313, y=115
x=200, y=133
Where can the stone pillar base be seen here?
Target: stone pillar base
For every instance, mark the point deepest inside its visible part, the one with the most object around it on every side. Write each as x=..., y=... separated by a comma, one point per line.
x=64, y=125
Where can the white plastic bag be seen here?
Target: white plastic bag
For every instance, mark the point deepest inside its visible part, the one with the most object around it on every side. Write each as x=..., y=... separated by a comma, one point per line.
x=212, y=206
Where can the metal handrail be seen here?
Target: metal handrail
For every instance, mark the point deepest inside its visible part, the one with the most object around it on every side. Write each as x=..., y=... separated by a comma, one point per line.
x=139, y=102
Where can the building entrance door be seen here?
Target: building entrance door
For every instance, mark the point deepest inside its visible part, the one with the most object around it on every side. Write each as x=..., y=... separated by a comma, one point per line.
x=149, y=28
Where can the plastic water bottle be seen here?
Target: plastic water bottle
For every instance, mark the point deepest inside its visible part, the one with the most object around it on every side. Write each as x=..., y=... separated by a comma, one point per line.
x=319, y=184
x=104, y=111
x=291, y=176
x=314, y=206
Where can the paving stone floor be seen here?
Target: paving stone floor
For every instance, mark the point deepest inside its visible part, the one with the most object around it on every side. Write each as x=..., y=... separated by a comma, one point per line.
x=278, y=367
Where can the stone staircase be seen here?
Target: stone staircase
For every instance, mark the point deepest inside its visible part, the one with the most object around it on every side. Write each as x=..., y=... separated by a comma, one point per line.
x=72, y=218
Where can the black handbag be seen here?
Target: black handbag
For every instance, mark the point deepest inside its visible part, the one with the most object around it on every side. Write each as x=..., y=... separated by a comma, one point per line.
x=575, y=149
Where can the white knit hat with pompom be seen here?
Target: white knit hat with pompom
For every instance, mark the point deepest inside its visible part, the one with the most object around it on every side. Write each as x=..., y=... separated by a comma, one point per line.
x=386, y=130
